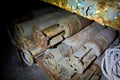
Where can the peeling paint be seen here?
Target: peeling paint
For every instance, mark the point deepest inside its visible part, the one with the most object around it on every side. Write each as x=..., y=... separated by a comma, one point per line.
x=104, y=12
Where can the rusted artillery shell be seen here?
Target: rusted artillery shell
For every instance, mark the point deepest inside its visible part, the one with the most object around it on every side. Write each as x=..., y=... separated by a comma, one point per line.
x=65, y=27
x=101, y=41
x=73, y=24
x=76, y=41
x=95, y=47
x=27, y=28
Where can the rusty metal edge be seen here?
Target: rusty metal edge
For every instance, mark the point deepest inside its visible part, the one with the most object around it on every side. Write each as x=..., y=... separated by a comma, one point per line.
x=103, y=6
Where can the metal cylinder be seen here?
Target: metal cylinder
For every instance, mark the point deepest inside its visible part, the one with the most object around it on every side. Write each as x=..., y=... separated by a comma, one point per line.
x=69, y=68
x=24, y=27
x=26, y=56
x=51, y=58
x=28, y=49
x=23, y=32
x=46, y=37
x=76, y=65
x=73, y=24
x=76, y=41
x=92, y=73
x=65, y=70
x=66, y=26
x=95, y=47
x=28, y=27
x=101, y=41
x=52, y=30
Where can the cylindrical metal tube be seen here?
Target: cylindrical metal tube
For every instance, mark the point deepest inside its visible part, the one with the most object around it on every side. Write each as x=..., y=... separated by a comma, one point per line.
x=57, y=39
x=67, y=26
x=28, y=49
x=101, y=41
x=76, y=65
x=52, y=57
x=65, y=70
x=45, y=37
x=28, y=55
x=66, y=67
x=73, y=24
x=92, y=73
x=95, y=47
x=52, y=30
x=76, y=41
x=28, y=27
x=26, y=43
x=88, y=59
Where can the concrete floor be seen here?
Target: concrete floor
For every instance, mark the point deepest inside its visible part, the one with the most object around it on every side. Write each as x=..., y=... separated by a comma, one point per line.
x=13, y=70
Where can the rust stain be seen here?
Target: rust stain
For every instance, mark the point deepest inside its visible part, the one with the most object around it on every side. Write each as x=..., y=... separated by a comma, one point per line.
x=40, y=39
x=43, y=66
x=102, y=6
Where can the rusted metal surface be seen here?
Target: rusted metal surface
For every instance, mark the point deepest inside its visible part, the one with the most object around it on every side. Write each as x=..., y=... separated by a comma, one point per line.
x=46, y=30
x=56, y=33
x=28, y=27
x=43, y=38
x=28, y=50
x=62, y=70
x=22, y=37
x=73, y=24
x=93, y=73
x=94, y=47
x=62, y=45
x=105, y=37
x=74, y=42
x=104, y=12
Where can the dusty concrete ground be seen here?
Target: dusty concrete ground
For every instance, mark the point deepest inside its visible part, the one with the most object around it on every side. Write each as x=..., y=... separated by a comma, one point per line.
x=13, y=69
